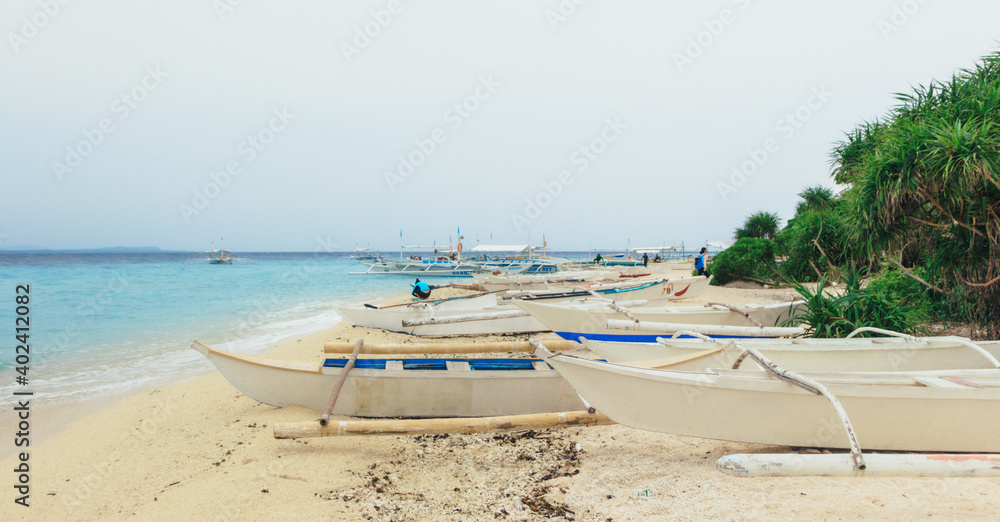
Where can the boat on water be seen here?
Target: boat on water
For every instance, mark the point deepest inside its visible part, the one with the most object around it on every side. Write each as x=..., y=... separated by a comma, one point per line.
x=413, y=388
x=934, y=411
x=877, y=354
x=596, y=320
x=217, y=256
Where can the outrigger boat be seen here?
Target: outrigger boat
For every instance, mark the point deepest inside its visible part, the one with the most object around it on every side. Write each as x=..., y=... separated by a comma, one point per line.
x=853, y=354
x=605, y=321
x=401, y=387
x=934, y=411
x=217, y=256
x=487, y=314
x=476, y=315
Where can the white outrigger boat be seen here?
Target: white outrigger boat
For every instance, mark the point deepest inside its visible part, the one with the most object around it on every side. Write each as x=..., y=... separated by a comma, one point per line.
x=401, y=387
x=477, y=315
x=607, y=321
x=431, y=267
x=853, y=354
x=487, y=314
x=942, y=410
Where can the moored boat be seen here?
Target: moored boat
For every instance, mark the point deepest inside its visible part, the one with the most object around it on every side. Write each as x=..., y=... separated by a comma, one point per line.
x=805, y=355
x=401, y=387
x=590, y=319
x=947, y=410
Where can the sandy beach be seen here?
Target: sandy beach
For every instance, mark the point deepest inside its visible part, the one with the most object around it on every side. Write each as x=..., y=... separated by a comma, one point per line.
x=200, y=450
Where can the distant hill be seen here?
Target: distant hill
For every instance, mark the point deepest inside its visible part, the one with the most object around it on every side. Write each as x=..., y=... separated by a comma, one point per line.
x=104, y=250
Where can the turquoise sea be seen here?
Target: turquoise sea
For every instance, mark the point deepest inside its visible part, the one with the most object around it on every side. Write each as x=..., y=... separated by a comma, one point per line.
x=107, y=324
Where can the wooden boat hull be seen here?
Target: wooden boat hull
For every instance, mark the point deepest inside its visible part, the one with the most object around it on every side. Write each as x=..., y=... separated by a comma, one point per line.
x=396, y=393
x=573, y=321
x=804, y=355
x=746, y=406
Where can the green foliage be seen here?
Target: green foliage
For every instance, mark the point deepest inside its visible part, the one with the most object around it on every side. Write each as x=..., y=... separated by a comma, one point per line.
x=927, y=178
x=904, y=290
x=748, y=258
x=760, y=225
x=818, y=236
x=837, y=314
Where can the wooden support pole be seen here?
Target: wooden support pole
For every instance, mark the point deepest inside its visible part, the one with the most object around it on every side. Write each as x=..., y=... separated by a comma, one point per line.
x=738, y=310
x=296, y=430
x=842, y=465
x=731, y=331
x=325, y=418
x=448, y=348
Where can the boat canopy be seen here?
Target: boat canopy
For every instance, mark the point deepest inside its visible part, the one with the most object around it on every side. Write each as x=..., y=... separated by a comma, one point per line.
x=500, y=248
x=653, y=250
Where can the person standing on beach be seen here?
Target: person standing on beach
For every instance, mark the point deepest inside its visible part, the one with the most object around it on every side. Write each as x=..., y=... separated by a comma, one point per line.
x=699, y=262
x=645, y=259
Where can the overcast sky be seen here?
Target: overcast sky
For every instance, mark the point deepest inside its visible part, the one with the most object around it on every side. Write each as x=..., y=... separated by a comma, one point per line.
x=297, y=125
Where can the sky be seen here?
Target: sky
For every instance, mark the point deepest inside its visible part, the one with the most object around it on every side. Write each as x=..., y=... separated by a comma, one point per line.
x=309, y=125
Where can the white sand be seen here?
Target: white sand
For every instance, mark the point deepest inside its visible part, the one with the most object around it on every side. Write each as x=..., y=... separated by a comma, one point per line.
x=200, y=450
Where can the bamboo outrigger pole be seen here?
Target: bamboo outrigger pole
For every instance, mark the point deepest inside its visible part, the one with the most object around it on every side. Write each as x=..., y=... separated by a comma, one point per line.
x=295, y=430
x=323, y=420
x=448, y=348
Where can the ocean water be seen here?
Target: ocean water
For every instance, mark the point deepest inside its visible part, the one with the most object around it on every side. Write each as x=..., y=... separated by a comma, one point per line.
x=107, y=324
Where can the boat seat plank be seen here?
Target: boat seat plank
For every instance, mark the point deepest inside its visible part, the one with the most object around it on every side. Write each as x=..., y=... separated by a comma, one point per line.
x=394, y=365
x=540, y=365
x=458, y=366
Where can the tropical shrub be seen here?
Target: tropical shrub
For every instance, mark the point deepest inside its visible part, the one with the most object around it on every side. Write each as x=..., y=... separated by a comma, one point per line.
x=817, y=240
x=927, y=179
x=761, y=225
x=837, y=314
x=748, y=258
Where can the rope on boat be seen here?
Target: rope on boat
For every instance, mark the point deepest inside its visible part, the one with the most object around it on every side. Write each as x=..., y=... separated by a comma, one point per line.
x=817, y=388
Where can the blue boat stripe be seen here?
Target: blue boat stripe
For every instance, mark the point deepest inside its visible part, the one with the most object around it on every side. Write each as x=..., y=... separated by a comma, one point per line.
x=634, y=338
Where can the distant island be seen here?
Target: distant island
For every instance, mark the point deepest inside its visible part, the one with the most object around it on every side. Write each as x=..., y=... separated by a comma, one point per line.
x=104, y=250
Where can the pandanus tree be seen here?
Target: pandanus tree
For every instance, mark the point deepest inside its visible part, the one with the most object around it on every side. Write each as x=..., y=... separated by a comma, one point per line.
x=761, y=225
x=926, y=179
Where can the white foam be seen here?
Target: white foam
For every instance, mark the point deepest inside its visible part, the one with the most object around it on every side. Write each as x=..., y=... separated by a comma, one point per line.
x=105, y=371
